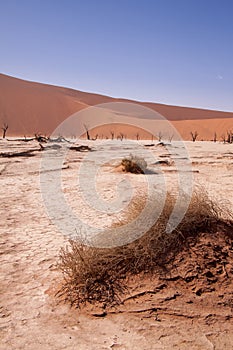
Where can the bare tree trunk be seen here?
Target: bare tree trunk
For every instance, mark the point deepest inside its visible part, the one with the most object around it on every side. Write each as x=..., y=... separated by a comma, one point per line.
x=87, y=132
x=215, y=137
x=160, y=135
x=229, y=137
x=170, y=137
x=4, y=129
x=194, y=135
x=121, y=136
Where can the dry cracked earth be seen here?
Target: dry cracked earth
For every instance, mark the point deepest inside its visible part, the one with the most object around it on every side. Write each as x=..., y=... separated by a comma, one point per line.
x=188, y=306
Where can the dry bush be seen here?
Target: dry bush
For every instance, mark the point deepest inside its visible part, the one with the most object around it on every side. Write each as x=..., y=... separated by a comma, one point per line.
x=100, y=274
x=134, y=164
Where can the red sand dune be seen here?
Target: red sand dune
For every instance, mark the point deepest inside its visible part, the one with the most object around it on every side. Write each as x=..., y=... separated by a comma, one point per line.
x=29, y=108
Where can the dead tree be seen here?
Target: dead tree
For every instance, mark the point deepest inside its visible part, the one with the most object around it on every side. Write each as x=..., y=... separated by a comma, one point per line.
x=112, y=134
x=27, y=153
x=87, y=132
x=4, y=130
x=229, y=137
x=194, y=135
x=121, y=136
x=40, y=138
x=137, y=136
x=215, y=137
x=160, y=135
x=223, y=137
x=41, y=147
x=170, y=137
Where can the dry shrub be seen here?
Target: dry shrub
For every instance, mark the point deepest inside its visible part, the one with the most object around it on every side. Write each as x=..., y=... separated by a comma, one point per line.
x=99, y=275
x=134, y=164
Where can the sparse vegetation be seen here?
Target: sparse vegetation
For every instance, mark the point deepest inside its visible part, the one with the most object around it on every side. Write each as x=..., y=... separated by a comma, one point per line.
x=229, y=137
x=170, y=137
x=41, y=139
x=215, y=137
x=4, y=130
x=121, y=136
x=160, y=135
x=100, y=275
x=134, y=164
x=194, y=135
x=87, y=132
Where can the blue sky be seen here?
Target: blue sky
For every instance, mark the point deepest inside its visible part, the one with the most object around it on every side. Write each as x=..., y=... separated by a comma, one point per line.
x=177, y=52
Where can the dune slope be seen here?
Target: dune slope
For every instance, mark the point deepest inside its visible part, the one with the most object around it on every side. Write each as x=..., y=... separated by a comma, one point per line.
x=29, y=107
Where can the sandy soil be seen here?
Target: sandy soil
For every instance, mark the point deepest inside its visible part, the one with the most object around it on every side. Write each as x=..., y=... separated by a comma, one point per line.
x=30, y=108
x=185, y=309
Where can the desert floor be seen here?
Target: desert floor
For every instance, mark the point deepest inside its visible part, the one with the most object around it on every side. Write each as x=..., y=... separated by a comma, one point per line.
x=177, y=314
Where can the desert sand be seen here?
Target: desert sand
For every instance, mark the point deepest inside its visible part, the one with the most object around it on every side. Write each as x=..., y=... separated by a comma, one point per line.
x=29, y=108
x=182, y=309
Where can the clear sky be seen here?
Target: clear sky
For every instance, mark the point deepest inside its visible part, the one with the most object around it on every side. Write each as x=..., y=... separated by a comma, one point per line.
x=170, y=51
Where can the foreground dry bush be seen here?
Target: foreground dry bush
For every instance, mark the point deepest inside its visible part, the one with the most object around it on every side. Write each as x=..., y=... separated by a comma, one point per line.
x=100, y=275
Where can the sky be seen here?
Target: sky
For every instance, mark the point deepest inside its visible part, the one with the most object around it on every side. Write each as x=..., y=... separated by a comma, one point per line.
x=177, y=52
